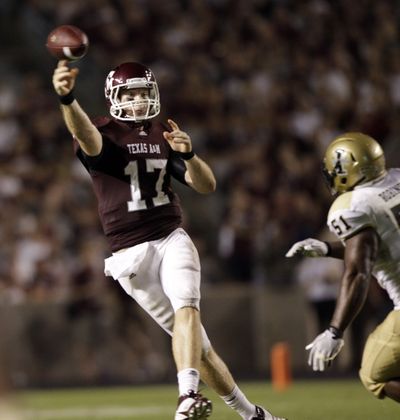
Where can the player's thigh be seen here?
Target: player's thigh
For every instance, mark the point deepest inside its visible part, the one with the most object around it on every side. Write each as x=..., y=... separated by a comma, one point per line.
x=180, y=271
x=381, y=356
x=146, y=288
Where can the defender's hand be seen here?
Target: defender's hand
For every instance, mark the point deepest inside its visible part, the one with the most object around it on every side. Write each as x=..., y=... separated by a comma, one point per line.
x=178, y=139
x=309, y=248
x=64, y=78
x=323, y=350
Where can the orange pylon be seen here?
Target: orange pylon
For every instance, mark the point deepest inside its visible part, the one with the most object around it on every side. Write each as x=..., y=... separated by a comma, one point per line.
x=281, y=371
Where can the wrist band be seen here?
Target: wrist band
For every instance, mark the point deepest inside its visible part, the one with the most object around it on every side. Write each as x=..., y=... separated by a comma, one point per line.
x=67, y=99
x=335, y=331
x=329, y=252
x=185, y=155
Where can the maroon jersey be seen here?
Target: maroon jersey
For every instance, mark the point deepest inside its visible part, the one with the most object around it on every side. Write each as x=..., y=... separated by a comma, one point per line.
x=131, y=178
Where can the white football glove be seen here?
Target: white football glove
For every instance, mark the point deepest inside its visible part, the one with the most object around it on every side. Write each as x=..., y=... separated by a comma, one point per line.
x=323, y=350
x=309, y=248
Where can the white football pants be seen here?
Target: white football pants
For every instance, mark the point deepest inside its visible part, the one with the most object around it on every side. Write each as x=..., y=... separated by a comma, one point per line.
x=162, y=276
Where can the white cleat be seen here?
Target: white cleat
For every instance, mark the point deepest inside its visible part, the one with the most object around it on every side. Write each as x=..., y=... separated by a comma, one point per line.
x=193, y=406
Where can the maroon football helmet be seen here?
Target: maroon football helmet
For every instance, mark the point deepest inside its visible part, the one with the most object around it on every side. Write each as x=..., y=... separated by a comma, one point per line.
x=131, y=76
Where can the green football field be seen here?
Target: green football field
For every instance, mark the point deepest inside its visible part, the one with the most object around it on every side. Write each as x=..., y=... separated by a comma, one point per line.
x=304, y=400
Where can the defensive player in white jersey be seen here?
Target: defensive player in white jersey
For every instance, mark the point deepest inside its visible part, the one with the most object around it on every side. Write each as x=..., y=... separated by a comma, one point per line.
x=366, y=219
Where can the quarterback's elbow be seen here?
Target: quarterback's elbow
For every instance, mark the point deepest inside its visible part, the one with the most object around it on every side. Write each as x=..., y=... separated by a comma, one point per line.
x=205, y=187
x=213, y=186
x=210, y=187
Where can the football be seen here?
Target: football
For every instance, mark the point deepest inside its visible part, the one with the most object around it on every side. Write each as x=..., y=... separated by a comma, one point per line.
x=67, y=42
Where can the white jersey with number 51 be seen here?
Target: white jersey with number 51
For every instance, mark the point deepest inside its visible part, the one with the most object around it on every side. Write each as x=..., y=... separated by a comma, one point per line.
x=375, y=204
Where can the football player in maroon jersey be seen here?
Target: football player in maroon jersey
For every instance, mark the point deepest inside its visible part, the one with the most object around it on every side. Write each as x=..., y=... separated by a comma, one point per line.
x=131, y=158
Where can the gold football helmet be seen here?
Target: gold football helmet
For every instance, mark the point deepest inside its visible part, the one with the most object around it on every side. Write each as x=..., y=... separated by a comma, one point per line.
x=352, y=159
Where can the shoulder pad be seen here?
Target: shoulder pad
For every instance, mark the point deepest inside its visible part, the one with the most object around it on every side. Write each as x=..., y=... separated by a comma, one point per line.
x=343, y=202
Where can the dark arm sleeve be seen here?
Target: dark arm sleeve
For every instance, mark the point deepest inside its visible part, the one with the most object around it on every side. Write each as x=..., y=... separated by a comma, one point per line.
x=176, y=167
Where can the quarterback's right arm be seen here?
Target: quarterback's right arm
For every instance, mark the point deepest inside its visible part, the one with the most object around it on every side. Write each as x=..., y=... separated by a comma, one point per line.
x=76, y=119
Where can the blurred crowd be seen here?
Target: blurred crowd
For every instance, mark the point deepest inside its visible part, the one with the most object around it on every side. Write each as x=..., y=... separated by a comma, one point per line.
x=262, y=86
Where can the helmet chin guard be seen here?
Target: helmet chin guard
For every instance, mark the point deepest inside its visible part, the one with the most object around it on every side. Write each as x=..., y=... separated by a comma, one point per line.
x=132, y=76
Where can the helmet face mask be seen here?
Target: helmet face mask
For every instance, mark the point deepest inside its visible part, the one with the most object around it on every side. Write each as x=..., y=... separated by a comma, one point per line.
x=132, y=76
x=352, y=159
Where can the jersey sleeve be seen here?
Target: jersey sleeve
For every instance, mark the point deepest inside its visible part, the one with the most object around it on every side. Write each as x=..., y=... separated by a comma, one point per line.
x=97, y=162
x=91, y=162
x=346, y=223
x=346, y=218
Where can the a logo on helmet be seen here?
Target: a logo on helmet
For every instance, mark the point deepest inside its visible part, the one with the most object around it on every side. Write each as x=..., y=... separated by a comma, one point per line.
x=341, y=161
x=109, y=82
x=149, y=75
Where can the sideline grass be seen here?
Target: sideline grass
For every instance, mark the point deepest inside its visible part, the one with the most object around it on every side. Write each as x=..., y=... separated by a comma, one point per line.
x=304, y=400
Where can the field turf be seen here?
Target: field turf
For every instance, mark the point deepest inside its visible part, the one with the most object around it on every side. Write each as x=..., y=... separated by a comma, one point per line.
x=304, y=400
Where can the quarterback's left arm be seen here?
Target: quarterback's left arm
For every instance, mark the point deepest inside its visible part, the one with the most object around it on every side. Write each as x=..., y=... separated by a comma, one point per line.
x=198, y=174
x=360, y=254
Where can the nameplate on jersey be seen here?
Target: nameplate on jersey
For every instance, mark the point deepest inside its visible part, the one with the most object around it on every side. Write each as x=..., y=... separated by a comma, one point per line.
x=138, y=148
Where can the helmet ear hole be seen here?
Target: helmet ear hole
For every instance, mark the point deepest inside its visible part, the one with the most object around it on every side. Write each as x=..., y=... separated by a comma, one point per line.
x=343, y=181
